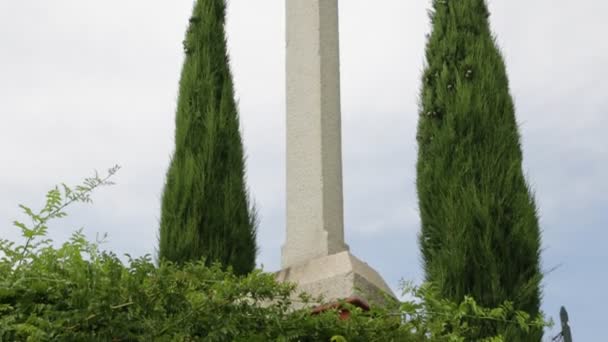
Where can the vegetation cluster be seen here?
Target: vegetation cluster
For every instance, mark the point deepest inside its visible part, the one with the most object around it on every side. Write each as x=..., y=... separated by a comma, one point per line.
x=77, y=292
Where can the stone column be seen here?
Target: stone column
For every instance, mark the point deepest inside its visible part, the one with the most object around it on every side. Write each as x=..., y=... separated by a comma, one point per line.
x=314, y=255
x=315, y=225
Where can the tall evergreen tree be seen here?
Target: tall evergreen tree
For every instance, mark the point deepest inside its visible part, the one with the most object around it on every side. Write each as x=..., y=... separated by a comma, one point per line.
x=480, y=234
x=205, y=206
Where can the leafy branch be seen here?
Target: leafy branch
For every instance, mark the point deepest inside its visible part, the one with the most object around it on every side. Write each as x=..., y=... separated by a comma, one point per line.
x=56, y=202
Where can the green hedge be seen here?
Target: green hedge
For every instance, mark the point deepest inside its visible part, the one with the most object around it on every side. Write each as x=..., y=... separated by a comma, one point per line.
x=75, y=292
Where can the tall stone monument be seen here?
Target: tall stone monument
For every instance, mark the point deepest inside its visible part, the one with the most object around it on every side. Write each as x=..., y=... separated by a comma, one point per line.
x=315, y=255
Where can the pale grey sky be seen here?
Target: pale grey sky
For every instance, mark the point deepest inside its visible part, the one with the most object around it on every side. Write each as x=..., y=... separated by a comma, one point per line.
x=86, y=84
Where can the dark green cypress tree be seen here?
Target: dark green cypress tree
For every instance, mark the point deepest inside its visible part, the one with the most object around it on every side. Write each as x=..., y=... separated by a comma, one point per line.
x=480, y=234
x=205, y=205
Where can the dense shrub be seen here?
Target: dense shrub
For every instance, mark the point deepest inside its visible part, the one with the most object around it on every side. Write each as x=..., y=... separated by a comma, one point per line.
x=75, y=292
x=480, y=234
x=205, y=209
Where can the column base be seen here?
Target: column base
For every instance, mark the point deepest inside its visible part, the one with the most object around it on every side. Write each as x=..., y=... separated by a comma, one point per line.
x=338, y=276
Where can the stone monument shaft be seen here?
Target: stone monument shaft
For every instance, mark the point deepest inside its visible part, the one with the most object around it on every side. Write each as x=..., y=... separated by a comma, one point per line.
x=315, y=256
x=315, y=224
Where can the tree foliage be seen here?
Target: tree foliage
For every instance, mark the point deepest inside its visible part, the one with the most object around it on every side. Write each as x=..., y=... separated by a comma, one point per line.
x=76, y=292
x=480, y=234
x=205, y=211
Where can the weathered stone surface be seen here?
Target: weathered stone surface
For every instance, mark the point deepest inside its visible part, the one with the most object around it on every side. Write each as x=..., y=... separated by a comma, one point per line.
x=315, y=225
x=337, y=276
x=315, y=255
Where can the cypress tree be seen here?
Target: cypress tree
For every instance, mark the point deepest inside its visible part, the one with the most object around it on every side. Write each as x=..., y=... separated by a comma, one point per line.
x=480, y=234
x=205, y=211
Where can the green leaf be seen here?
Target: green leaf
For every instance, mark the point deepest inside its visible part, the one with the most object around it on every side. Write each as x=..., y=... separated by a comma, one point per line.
x=20, y=225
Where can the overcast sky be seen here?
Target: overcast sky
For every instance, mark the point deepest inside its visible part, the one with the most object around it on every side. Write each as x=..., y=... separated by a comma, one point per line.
x=87, y=84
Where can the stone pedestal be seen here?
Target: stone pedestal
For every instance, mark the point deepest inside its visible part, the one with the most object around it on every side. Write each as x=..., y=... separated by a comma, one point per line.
x=336, y=277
